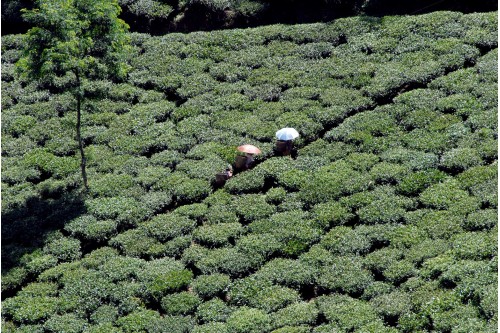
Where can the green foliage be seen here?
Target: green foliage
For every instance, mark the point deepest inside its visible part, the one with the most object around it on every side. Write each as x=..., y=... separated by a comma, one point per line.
x=181, y=303
x=218, y=234
x=248, y=320
x=65, y=323
x=208, y=286
x=167, y=226
x=214, y=310
x=331, y=214
x=333, y=181
x=25, y=309
x=214, y=327
x=288, y=272
x=385, y=221
x=346, y=274
x=300, y=313
x=474, y=245
x=348, y=313
x=122, y=209
x=418, y=181
x=292, y=228
x=173, y=280
x=483, y=219
x=89, y=228
x=252, y=207
x=150, y=321
x=64, y=248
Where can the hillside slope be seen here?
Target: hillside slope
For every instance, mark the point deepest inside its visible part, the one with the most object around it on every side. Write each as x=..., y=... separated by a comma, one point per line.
x=385, y=219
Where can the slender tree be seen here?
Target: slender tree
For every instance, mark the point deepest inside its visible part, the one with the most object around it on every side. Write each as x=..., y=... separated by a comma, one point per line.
x=80, y=39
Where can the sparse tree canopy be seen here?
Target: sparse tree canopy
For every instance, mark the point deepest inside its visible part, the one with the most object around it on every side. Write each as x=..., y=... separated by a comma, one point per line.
x=82, y=39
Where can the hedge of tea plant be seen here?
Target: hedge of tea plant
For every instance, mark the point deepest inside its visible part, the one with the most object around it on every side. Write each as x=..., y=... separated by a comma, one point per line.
x=383, y=220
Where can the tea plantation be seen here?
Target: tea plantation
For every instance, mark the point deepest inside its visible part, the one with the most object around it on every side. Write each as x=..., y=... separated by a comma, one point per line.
x=385, y=219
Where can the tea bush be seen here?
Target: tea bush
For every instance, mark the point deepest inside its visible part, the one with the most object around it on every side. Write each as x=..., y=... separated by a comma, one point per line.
x=259, y=245
x=248, y=320
x=208, y=286
x=288, y=272
x=483, y=219
x=345, y=274
x=347, y=312
x=136, y=243
x=218, y=234
x=227, y=260
x=273, y=298
x=333, y=181
x=164, y=227
x=252, y=207
x=344, y=240
x=300, y=313
x=65, y=323
x=383, y=220
x=214, y=310
x=214, y=327
x=89, y=228
x=331, y=214
x=64, y=248
x=182, y=303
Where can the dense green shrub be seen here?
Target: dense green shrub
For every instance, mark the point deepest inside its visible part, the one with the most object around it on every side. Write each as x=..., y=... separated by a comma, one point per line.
x=218, y=234
x=182, y=303
x=428, y=248
x=300, y=313
x=261, y=245
x=344, y=240
x=252, y=207
x=168, y=281
x=474, y=245
x=89, y=228
x=416, y=182
x=331, y=214
x=440, y=224
x=387, y=208
x=122, y=209
x=214, y=310
x=248, y=320
x=293, y=228
x=65, y=323
x=221, y=214
x=227, y=260
x=64, y=248
x=460, y=159
x=345, y=274
x=398, y=272
x=273, y=298
x=293, y=329
x=392, y=305
x=137, y=243
x=121, y=268
x=332, y=181
x=105, y=314
x=288, y=272
x=483, y=219
x=208, y=286
x=448, y=195
x=167, y=226
x=214, y=327
x=348, y=313
x=25, y=309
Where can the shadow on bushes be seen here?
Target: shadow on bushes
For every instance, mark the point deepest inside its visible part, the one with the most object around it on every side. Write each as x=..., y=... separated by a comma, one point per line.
x=25, y=229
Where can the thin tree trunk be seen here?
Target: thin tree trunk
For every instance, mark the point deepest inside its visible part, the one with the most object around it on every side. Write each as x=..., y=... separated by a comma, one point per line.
x=78, y=133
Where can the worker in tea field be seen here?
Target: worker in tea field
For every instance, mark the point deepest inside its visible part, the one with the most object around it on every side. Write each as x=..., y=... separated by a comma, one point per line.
x=229, y=171
x=246, y=161
x=285, y=136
